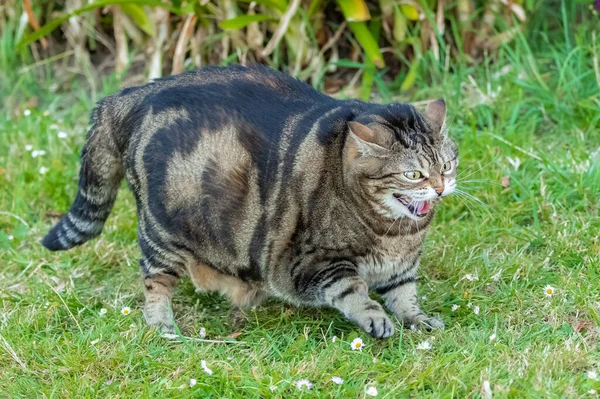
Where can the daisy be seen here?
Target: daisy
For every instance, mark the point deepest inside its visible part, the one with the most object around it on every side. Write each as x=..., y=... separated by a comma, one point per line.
x=497, y=276
x=454, y=307
x=476, y=309
x=126, y=310
x=192, y=382
x=357, y=344
x=43, y=170
x=103, y=311
x=38, y=153
x=27, y=112
x=548, y=290
x=425, y=346
x=486, y=389
x=337, y=380
x=62, y=135
x=304, y=384
x=28, y=147
x=592, y=375
x=492, y=337
x=205, y=368
x=202, y=332
x=371, y=391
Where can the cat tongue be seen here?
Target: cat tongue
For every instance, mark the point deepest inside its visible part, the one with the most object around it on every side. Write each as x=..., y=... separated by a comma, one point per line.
x=423, y=207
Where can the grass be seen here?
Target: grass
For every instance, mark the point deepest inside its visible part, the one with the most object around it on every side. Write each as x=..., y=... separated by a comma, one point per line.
x=530, y=118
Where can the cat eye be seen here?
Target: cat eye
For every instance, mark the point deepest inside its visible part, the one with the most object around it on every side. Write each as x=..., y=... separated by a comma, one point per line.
x=413, y=175
x=447, y=166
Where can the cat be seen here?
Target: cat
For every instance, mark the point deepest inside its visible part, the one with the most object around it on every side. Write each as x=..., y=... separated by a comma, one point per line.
x=256, y=185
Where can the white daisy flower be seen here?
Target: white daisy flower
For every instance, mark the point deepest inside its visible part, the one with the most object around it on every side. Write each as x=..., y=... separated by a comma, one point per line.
x=337, y=380
x=27, y=112
x=126, y=310
x=62, y=135
x=103, y=311
x=357, y=344
x=10, y=238
x=304, y=384
x=205, y=368
x=492, y=337
x=28, y=147
x=38, y=153
x=486, y=390
x=371, y=391
x=43, y=170
x=192, y=382
x=454, y=307
x=497, y=276
x=202, y=332
x=592, y=375
x=424, y=346
x=476, y=309
x=548, y=290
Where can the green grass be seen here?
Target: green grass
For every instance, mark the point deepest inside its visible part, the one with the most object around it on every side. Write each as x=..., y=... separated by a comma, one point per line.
x=531, y=115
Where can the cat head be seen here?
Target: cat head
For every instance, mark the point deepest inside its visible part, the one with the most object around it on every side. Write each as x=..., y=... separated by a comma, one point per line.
x=399, y=160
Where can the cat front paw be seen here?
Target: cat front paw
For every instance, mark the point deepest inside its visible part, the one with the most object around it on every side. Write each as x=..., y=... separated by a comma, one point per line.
x=424, y=322
x=374, y=321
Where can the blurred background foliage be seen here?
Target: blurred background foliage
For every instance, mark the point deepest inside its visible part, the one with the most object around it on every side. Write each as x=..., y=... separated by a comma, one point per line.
x=364, y=46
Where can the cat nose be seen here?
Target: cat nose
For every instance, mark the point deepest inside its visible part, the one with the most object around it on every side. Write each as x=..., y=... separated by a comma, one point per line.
x=439, y=190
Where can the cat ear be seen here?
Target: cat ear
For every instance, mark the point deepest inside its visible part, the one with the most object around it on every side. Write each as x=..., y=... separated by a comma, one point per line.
x=435, y=113
x=363, y=140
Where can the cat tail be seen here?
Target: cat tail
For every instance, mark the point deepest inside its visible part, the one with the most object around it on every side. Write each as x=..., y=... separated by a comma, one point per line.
x=101, y=173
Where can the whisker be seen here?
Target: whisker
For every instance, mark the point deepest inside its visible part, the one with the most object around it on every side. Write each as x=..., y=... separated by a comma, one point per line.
x=392, y=225
x=485, y=166
x=476, y=200
x=480, y=181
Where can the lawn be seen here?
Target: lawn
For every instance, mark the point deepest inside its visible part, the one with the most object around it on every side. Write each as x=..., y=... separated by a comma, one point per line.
x=528, y=127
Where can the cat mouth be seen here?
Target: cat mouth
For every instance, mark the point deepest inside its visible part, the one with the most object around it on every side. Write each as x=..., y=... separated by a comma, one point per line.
x=417, y=208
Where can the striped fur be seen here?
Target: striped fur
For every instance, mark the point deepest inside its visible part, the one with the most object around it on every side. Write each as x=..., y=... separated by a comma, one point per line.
x=254, y=185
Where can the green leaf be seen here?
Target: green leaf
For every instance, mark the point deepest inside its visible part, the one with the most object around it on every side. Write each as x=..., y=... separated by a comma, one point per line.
x=410, y=12
x=368, y=42
x=367, y=81
x=55, y=23
x=409, y=80
x=354, y=10
x=243, y=20
x=140, y=17
x=280, y=5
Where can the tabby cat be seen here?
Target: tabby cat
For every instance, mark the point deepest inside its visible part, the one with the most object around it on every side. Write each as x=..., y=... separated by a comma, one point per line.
x=254, y=184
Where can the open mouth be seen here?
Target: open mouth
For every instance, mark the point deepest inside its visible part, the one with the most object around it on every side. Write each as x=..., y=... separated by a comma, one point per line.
x=417, y=208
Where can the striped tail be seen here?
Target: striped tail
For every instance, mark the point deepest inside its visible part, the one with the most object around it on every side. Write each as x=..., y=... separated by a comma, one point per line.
x=99, y=180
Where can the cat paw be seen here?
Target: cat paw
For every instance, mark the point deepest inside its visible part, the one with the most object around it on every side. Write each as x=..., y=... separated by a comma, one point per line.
x=424, y=322
x=375, y=322
x=158, y=315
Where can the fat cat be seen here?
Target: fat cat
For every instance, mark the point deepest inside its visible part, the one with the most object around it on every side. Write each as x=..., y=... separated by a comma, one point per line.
x=256, y=185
